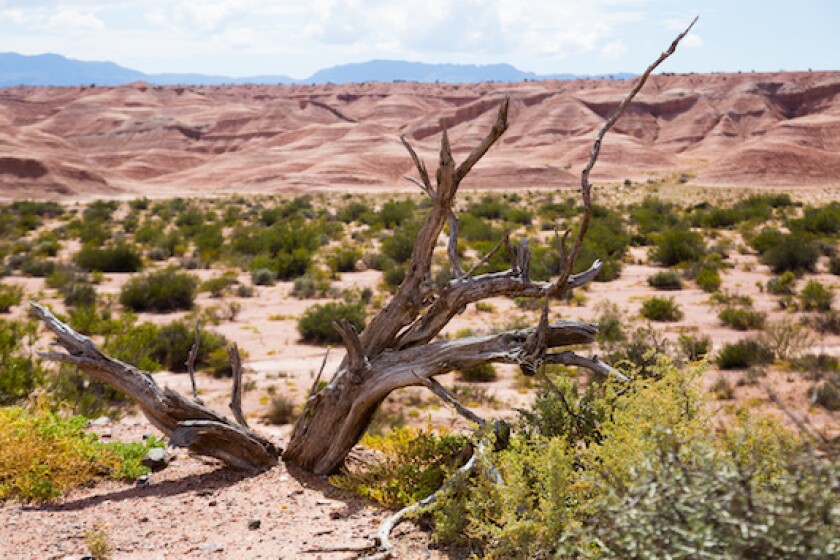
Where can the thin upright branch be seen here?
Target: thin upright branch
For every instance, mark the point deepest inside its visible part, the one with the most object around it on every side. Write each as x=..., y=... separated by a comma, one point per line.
x=499, y=128
x=486, y=258
x=452, y=247
x=236, y=393
x=586, y=186
x=357, y=362
x=314, y=389
x=191, y=361
x=421, y=168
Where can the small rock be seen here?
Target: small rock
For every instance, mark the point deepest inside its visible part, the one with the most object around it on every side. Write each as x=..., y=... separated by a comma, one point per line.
x=101, y=421
x=212, y=547
x=335, y=514
x=212, y=503
x=254, y=524
x=156, y=459
x=143, y=481
x=146, y=436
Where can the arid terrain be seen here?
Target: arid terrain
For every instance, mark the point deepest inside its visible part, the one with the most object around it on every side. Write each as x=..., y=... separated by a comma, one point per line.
x=685, y=143
x=722, y=129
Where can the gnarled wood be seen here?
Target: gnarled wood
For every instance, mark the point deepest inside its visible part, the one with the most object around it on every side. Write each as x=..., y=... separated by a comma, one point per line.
x=187, y=423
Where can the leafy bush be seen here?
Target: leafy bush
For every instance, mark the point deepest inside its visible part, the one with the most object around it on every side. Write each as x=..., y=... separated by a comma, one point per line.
x=10, y=295
x=792, y=252
x=834, y=265
x=315, y=325
x=665, y=280
x=694, y=348
x=742, y=319
x=783, y=285
x=263, y=277
x=708, y=279
x=344, y=258
x=42, y=455
x=483, y=373
x=787, y=338
x=816, y=297
x=744, y=354
x=116, y=258
x=161, y=291
x=678, y=245
x=661, y=309
x=172, y=343
x=20, y=372
x=310, y=285
x=413, y=464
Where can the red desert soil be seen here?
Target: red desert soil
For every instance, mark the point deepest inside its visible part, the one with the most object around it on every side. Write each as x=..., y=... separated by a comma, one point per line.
x=729, y=129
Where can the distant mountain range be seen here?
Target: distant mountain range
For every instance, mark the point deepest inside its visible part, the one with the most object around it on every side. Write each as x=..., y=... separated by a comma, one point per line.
x=57, y=70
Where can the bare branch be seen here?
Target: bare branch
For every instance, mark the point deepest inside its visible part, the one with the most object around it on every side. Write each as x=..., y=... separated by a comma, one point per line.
x=236, y=393
x=522, y=264
x=421, y=168
x=569, y=358
x=586, y=186
x=191, y=361
x=432, y=385
x=314, y=389
x=452, y=248
x=420, y=185
x=356, y=359
x=499, y=128
x=484, y=260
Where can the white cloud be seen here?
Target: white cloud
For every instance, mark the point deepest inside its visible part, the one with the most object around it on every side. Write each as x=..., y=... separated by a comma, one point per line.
x=73, y=21
x=693, y=40
x=614, y=49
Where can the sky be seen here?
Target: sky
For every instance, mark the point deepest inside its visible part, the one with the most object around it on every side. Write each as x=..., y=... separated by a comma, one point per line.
x=296, y=38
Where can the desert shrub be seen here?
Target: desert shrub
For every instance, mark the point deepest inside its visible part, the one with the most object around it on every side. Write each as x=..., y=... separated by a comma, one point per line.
x=310, y=285
x=39, y=268
x=344, y=258
x=483, y=373
x=826, y=394
x=281, y=410
x=10, y=295
x=743, y=354
x=413, y=464
x=263, y=277
x=742, y=319
x=172, y=343
x=694, y=348
x=823, y=220
x=79, y=294
x=20, y=372
x=157, y=254
x=399, y=245
x=816, y=297
x=782, y=285
x=792, y=252
x=217, y=286
x=393, y=277
x=355, y=211
x=678, y=245
x=708, y=279
x=315, y=325
x=161, y=291
x=120, y=257
x=653, y=215
x=834, y=265
x=396, y=213
x=787, y=338
x=42, y=455
x=665, y=280
x=722, y=389
x=661, y=309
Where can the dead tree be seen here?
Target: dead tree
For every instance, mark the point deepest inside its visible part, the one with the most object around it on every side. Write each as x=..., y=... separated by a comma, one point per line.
x=398, y=348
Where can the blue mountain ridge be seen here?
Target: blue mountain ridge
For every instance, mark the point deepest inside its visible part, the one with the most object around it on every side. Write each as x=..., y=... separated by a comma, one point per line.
x=57, y=70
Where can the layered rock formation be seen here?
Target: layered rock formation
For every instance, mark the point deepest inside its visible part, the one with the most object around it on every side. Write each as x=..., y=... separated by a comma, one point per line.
x=733, y=129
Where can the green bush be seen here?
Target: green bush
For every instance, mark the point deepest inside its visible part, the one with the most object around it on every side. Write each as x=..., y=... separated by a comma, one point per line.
x=483, y=373
x=160, y=291
x=116, y=258
x=172, y=344
x=263, y=277
x=79, y=294
x=783, y=285
x=678, y=245
x=10, y=295
x=282, y=410
x=792, y=252
x=315, y=325
x=694, y=348
x=20, y=372
x=311, y=285
x=666, y=280
x=708, y=279
x=344, y=258
x=744, y=354
x=661, y=309
x=816, y=297
x=742, y=319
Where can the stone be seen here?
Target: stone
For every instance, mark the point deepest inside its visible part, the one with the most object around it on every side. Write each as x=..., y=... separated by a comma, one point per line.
x=101, y=421
x=156, y=459
x=254, y=524
x=143, y=481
